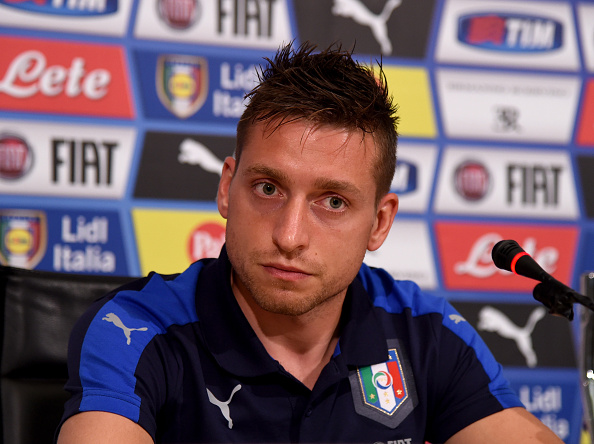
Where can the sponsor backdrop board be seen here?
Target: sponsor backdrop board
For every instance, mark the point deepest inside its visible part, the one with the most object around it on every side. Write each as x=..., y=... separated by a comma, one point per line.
x=116, y=116
x=524, y=34
x=510, y=182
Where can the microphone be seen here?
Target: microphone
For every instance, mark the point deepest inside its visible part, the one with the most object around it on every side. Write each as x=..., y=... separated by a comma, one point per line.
x=508, y=255
x=556, y=296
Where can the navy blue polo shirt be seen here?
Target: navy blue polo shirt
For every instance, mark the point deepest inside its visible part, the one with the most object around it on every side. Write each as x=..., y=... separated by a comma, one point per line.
x=176, y=355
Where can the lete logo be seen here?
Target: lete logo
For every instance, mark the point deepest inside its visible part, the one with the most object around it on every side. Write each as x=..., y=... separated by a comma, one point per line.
x=479, y=263
x=63, y=77
x=465, y=253
x=31, y=69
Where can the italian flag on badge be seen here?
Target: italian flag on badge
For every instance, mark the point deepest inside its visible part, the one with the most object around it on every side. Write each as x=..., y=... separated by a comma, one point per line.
x=383, y=384
x=385, y=392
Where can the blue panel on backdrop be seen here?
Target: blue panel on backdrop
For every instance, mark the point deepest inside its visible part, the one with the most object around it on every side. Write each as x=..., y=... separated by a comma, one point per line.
x=194, y=87
x=553, y=396
x=88, y=242
x=586, y=260
x=63, y=240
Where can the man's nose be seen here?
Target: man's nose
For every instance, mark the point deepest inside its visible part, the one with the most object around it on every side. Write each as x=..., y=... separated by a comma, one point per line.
x=290, y=232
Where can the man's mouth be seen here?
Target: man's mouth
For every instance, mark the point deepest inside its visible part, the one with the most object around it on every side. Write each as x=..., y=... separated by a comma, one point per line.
x=285, y=272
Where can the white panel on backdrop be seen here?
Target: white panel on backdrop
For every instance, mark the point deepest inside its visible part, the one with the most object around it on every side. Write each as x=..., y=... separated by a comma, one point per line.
x=510, y=107
x=107, y=17
x=585, y=16
x=52, y=159
x=406, y=253
x=259, y=24
x=415, y=171
x=508, y=33
x=507, y=182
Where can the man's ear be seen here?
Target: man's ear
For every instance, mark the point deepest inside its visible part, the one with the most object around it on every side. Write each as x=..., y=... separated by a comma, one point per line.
x=386, y=211
x=224, y=185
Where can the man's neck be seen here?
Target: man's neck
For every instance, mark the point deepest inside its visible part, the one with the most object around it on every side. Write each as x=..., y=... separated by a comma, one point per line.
x=302, y=344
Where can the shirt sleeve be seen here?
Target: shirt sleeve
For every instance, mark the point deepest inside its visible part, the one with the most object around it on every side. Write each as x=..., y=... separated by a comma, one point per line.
x=469, y=381
x=106, y=346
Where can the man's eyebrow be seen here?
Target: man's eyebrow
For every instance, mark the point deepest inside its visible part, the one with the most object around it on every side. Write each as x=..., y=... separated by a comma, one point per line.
x=263, y=170
x=337, y=185
x=322, y=183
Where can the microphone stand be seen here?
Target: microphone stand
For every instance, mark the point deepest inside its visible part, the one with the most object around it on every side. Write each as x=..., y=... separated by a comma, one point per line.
x=559, y=298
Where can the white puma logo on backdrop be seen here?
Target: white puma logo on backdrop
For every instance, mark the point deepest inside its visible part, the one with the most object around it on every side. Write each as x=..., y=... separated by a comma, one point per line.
x=224, y=405
x=491, y=319
x=115, y=320
x=195, y=153
x=378, y=23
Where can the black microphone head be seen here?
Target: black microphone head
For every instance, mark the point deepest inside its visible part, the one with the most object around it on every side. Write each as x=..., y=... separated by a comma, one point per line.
x=504, y=252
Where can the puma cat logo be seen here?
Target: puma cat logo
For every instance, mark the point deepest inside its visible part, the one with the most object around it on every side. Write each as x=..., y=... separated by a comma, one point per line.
x=378, y=23
x=457, y=318
x=192, y=152
x=491, y=319
x=115, y=320
x=224, y=405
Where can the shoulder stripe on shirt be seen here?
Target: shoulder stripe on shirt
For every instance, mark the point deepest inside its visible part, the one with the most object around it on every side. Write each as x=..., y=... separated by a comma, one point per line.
x=121, y=330
x=397, y=296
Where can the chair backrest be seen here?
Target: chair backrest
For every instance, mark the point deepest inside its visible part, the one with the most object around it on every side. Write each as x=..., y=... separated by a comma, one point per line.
x=37, y=312
x=586, y=353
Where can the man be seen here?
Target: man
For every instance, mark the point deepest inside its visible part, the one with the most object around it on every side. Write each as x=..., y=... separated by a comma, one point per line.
x=287, y=337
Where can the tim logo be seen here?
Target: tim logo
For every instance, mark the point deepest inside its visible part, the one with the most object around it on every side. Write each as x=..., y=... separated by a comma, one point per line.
x=182, y=83
x=510, y=32
x=65, y=7
x=406, y=177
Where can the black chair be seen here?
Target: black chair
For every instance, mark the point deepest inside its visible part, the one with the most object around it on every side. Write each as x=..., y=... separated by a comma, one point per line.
x=38, y=311
x=586, y=354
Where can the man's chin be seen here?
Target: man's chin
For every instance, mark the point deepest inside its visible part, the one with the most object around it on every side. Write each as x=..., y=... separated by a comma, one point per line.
x=283, y=301
x=286, y=310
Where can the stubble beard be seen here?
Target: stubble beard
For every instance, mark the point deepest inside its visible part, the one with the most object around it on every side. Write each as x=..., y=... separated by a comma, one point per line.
x=283, y=297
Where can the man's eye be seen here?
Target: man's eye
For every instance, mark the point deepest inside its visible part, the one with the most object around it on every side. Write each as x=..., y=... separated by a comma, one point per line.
x=336, y=203
x=267, y=188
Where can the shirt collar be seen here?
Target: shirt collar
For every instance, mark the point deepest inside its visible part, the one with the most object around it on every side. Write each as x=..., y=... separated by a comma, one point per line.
x=227, y=333
x=362, y=340
x=235, y=346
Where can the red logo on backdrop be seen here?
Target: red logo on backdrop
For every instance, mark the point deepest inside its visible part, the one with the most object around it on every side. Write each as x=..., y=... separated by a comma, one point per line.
x=64, y=77
x=585, y=134
x=16, y=158
x=179, y=14
x=471, y=180
x=465, y=254
x=206, y=240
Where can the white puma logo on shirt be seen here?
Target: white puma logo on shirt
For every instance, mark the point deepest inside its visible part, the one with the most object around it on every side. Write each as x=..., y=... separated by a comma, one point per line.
x=457, y=318
x=115, y=320
x=224, y=405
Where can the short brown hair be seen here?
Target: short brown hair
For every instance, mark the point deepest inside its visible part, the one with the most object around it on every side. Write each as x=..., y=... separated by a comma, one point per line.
x=327, y=88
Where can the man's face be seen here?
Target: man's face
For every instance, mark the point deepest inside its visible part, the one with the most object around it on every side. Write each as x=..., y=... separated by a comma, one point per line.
x=301, y=212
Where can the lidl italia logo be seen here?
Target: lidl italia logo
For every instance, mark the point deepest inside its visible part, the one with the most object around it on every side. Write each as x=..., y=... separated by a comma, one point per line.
x=182, y=83
x=23, y=237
